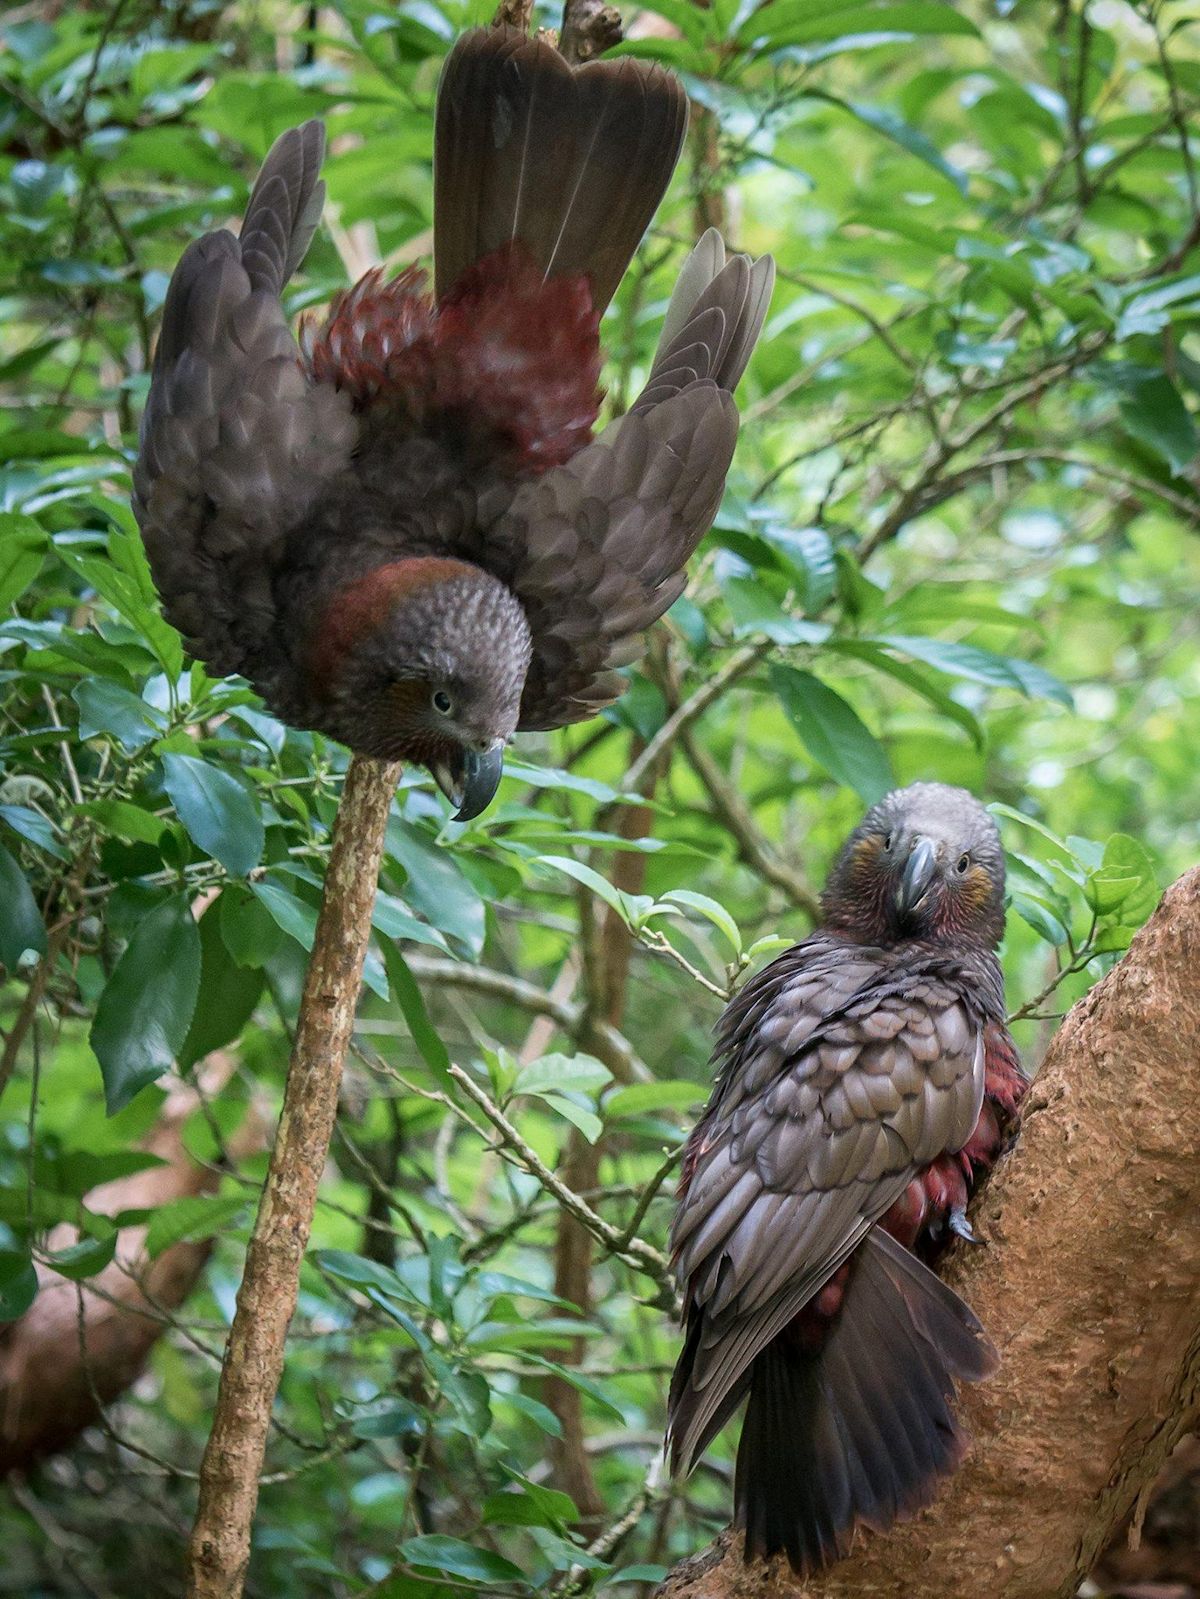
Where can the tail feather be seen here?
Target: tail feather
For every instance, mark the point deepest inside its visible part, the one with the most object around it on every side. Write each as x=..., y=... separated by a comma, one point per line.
x=570, y=163
x=860, y=1431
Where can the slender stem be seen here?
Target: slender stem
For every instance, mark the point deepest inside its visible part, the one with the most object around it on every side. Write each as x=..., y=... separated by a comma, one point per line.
x=229, y=1472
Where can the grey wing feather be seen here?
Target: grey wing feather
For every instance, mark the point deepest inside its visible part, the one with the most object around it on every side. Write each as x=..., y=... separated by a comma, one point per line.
x=235, y=441
x=596, y=549
x=828, y=1108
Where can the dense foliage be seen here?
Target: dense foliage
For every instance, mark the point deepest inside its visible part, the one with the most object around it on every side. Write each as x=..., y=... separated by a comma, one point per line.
x=960, y=543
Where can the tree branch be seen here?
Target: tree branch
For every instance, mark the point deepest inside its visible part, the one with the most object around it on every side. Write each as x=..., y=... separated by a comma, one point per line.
x=606, y=1042
x=1091, y=1292
x=229, y=1472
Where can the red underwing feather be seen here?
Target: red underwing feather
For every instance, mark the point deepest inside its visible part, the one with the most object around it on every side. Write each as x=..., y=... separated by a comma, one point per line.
x=509, y=356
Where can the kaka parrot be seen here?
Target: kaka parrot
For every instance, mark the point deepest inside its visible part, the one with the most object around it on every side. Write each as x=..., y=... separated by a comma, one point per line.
x=402, y=532
x=866, y=1081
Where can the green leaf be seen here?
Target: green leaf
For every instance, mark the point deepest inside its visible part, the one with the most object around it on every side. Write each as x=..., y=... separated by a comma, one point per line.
x=903, y=133
x=528, y=1504
x=710, y=910
x=106, y=707
x=629, y=907
x=1126, y=855
x=23, y=545
x=412, y=1005
x=227, y=995
x=558, y=1072
x=21, y=925
x=18, y=1283
x=146, y=1008
x=122, y=577
x=124, y=820
x=576, y=1379
x=249, y=931
x=1147, y=312
x=394, y=920
x=436, y=1552
x=85, y=1258
x=833, y=734
x=755, y=611
x=926, y=687
x=639, y=1098
x=810, y=21
x=221, y=816
x=1043, y=921
x=1108, y=888
x=437, y=887
x=195, y=1216
x=981, y=666
x=33, y=826
x=1153, y=412
x=493, y=1284
x=588, y=1123
x=296, y=916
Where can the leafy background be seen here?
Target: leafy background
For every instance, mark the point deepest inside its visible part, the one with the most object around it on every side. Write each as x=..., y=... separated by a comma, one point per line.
x=959, y=542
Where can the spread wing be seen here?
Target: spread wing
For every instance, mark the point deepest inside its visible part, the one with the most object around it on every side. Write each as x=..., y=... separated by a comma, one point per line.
x=596, y=549
x=845, y=1076
x=236, y=442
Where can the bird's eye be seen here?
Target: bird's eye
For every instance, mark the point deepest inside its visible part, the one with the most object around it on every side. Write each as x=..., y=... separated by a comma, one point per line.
x=887, y=843
x=963, y=862
x=442, y=701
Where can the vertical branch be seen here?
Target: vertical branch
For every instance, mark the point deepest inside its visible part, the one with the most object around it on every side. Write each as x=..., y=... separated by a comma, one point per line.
x=607, y=946
x=220, y=1548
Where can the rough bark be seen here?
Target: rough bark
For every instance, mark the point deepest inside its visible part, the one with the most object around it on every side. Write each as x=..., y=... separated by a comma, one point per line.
x=50, y=1387
x=220, y=1547
x=1091, y=1290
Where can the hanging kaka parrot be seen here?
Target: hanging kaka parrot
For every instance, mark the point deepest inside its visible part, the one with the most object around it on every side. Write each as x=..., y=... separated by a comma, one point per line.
x=404, y=534
x=866, y=1081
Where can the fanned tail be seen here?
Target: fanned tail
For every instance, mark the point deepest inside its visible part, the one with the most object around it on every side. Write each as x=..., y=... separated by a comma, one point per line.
x=570, y=163
x=860, y=1431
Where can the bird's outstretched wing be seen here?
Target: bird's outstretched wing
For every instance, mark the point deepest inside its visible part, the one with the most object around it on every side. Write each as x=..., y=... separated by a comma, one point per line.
x=596, y=549
x=236, y=442
x=845, y=1074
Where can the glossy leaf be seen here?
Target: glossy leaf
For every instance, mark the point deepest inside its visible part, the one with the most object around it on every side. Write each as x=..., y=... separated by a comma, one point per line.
x=146, y=1008
x=221, y=815
x=833, y=733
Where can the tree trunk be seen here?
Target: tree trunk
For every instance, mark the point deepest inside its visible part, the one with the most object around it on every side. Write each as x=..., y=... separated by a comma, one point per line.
x=1090, y=1289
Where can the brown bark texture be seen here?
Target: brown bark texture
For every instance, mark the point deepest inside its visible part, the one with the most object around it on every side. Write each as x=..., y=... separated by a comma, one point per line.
x=253, y=1364
x=62, y=1360
x=1090, y=1287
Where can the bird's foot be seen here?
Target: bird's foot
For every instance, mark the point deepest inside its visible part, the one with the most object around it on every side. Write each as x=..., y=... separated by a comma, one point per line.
x=960, y=1225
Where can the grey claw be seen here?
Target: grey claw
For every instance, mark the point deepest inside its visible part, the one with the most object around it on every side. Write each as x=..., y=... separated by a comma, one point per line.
x=960, y=1225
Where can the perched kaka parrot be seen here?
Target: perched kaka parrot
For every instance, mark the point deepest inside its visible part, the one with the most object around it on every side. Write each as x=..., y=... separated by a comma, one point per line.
x=866, y=1080
x=405, y=535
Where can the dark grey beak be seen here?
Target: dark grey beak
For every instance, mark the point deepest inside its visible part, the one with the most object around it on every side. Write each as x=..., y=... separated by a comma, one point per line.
x=469, y=780
x=919, y=871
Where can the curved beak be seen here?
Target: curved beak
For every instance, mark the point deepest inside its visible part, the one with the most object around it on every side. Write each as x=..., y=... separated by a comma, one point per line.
x=469, y=780
x=919, y=871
